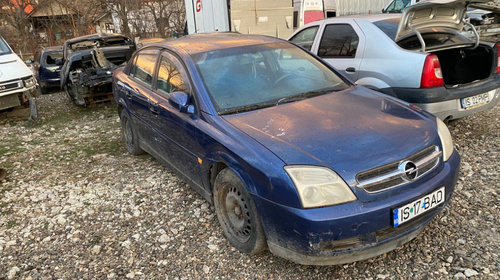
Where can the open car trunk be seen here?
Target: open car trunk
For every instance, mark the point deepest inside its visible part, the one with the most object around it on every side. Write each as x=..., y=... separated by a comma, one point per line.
x=465, y=65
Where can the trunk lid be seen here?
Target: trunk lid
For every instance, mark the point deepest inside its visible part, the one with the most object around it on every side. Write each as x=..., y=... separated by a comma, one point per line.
x=433, y=14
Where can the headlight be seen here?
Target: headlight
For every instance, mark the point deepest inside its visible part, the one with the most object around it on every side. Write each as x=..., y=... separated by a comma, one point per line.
x=446, y=141
x=30, y=82
x=319, y=186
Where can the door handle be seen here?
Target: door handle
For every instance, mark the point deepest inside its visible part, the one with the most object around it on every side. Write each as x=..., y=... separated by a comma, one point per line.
x=350, y=69
x=153, y=110
x=128, y=94
x=153, y=107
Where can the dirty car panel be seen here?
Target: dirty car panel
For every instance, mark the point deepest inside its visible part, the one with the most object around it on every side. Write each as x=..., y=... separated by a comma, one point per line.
x=89, y=63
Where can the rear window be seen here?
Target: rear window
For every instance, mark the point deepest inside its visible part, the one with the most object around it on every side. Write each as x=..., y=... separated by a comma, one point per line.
x=433, y=37
x=51, y=57
x=388, y=26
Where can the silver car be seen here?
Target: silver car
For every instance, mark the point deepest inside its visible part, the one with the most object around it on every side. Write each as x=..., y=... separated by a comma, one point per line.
x=419, y=56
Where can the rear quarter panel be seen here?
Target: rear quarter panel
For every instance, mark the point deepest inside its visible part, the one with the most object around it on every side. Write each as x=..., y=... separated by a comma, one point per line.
x=385, y=64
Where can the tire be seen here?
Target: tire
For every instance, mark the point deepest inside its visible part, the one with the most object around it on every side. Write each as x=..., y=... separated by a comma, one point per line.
x=129, y=135
x=237, y=213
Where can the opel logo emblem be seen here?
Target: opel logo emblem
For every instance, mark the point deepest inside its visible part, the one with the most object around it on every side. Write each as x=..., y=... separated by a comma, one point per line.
x=409, y=170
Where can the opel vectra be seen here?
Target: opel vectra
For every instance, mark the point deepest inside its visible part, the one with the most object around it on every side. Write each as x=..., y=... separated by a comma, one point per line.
x=294, y=157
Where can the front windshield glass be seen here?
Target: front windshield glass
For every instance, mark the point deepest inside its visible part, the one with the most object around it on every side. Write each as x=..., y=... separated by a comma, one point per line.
x=246, y=78
x=4, y=48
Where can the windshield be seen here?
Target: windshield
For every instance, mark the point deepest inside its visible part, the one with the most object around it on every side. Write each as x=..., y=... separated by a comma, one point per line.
x=251, y=77
x=4, y=48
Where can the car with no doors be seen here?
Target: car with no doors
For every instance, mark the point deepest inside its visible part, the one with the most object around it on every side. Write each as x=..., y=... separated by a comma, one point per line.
x=88, y=64
x=294, y=157
x=419, y=56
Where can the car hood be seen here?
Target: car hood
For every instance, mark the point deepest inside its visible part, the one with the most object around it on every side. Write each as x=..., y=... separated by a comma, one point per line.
x=433, y=13
x=12, y=67
x=349, y=131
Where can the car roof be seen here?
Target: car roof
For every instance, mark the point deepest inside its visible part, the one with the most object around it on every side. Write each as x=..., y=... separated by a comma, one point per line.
x=53, y=49
x=370, y=18
x=205, y=42
x=93, y=37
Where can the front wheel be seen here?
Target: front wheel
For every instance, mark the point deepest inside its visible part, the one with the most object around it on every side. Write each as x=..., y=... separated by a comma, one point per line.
x=237, y=213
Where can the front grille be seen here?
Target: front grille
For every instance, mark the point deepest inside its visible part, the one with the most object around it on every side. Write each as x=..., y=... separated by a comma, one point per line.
x=10, y=86
x=400, y=172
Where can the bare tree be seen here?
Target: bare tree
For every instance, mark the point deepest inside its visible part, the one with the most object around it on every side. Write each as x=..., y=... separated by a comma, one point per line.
x=17, y=30
x=122, y=8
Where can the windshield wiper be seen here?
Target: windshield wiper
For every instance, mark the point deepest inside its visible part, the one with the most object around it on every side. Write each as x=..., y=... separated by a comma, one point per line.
x=246, y=108
x=303, y=96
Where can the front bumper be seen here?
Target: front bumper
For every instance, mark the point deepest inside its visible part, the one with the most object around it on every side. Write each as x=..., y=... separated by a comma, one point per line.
x=349, y=232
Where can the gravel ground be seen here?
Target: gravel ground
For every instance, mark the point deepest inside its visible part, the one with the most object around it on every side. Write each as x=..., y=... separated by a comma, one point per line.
x=75, y=205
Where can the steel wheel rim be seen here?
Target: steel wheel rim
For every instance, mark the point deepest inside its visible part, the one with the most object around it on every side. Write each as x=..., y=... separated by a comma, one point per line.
x=237, y=214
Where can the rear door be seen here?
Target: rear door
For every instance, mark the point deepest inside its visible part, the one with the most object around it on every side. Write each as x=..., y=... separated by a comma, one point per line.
x=138, y=88
x=341, y=44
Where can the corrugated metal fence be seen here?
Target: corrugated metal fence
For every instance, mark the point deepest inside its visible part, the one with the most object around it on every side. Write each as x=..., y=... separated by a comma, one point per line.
x=357, y=7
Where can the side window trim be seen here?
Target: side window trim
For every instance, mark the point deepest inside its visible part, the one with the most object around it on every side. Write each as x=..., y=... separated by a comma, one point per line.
x=156, y=51
x=180, y=66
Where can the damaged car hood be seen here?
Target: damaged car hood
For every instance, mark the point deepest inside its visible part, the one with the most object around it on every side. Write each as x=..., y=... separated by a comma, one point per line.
x=347, y=131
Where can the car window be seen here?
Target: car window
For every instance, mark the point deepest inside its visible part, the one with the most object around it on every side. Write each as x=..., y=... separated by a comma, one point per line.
x=251, y=77
x=397, y=6
x=388, y=26
x=144, y=65
x=171, y=76
x=338, y=41
x=305, y=38
x=50, y=58
x=4, y=48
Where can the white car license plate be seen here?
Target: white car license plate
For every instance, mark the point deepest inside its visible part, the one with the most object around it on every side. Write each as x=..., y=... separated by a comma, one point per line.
x=475, y=101
x=418, y=207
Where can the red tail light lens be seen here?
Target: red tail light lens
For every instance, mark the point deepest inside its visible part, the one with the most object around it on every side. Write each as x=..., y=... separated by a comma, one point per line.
x=431, y=74
x=497, y=46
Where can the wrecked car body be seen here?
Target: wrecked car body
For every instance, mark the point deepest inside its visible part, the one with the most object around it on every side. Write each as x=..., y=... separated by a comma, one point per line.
x=88, y=64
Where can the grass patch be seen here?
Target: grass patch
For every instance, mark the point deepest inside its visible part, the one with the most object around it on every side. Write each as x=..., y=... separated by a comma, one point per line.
x=11, y=224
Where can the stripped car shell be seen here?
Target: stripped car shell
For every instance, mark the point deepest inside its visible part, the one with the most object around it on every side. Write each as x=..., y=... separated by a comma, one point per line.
x=88, y=65
x=278, y=141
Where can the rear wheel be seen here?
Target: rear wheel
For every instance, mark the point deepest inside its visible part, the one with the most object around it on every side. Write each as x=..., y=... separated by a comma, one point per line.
x=129, y=135
x=237, y=214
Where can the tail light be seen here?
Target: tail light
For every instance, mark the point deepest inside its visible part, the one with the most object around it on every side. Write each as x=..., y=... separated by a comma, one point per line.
x=497, y=46
x=431, y=73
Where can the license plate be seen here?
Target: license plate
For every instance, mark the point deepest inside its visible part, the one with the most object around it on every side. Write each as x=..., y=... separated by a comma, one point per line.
x=475, y=101
x=418, y=207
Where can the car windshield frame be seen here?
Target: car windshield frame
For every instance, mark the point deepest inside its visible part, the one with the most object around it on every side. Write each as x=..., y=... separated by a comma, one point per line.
x=247, y=78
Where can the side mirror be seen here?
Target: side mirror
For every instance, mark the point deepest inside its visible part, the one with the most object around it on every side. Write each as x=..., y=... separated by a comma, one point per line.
x=180, y=100
x=59, y=62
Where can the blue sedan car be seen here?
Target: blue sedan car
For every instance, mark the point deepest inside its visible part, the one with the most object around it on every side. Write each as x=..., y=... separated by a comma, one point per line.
x=294, y=157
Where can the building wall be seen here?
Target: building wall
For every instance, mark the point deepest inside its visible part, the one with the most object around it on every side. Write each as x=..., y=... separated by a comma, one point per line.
x=273, y=18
